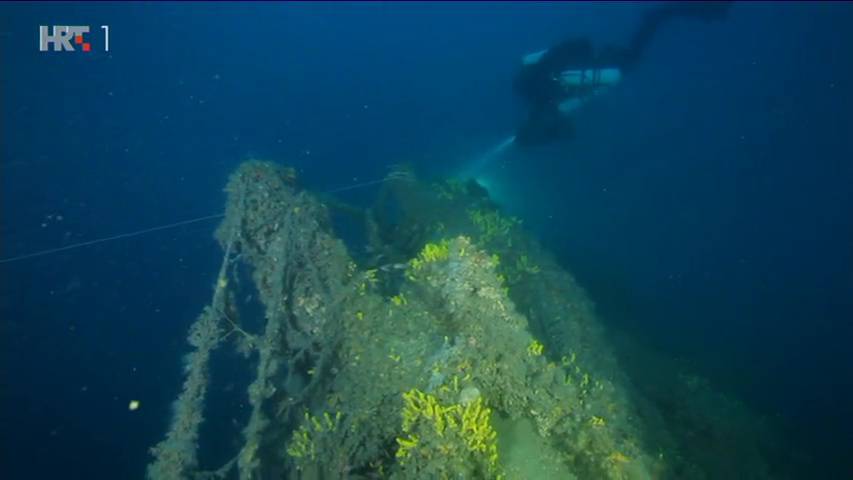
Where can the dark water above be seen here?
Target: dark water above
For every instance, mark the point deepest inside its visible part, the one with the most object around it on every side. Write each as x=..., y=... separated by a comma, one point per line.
x=705, y=203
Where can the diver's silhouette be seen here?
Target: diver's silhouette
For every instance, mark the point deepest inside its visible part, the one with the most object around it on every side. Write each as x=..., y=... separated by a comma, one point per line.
x=557, y=81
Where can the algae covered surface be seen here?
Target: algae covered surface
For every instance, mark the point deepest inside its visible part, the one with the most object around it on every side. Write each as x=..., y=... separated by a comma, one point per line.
x=458, y=348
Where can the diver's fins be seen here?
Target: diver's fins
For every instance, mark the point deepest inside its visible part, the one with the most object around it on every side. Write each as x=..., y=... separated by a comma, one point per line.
x=654, y=18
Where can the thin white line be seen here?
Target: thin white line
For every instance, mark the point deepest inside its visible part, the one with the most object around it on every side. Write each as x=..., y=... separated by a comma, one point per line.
x=157, y=228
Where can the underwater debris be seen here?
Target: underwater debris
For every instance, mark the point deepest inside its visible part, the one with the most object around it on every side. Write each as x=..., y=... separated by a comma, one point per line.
x=463, y=332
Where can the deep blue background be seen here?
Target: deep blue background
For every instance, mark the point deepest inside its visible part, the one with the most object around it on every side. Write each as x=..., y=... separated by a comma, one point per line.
x=706, y=203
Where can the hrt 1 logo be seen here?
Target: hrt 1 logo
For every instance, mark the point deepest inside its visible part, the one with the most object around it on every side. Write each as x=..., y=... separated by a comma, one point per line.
x=63, y=38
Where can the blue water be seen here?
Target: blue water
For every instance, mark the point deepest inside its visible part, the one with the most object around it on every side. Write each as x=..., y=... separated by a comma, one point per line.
x=706, y=203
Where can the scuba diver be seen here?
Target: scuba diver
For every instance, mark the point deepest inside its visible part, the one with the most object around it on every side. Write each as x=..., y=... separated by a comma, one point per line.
x=556, y=82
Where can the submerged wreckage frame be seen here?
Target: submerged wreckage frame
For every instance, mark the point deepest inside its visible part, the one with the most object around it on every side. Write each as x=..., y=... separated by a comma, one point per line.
x=467, y=352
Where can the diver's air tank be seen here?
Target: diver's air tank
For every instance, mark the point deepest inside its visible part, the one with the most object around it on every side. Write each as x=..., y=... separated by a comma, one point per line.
x=591, y=77
x=587, y=84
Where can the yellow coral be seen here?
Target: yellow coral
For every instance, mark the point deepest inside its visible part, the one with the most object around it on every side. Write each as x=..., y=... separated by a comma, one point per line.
x=618, y=457
x=303, y=444
x=566, y=361
x=370, y=275
x=523, y=264
x=407, y=445
x=597, y=421
x=419, y=404
x=535, y=348
x=477, y=428
x=492, y=225
x=432, y=252
x=471, y=424
x=399, y=300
